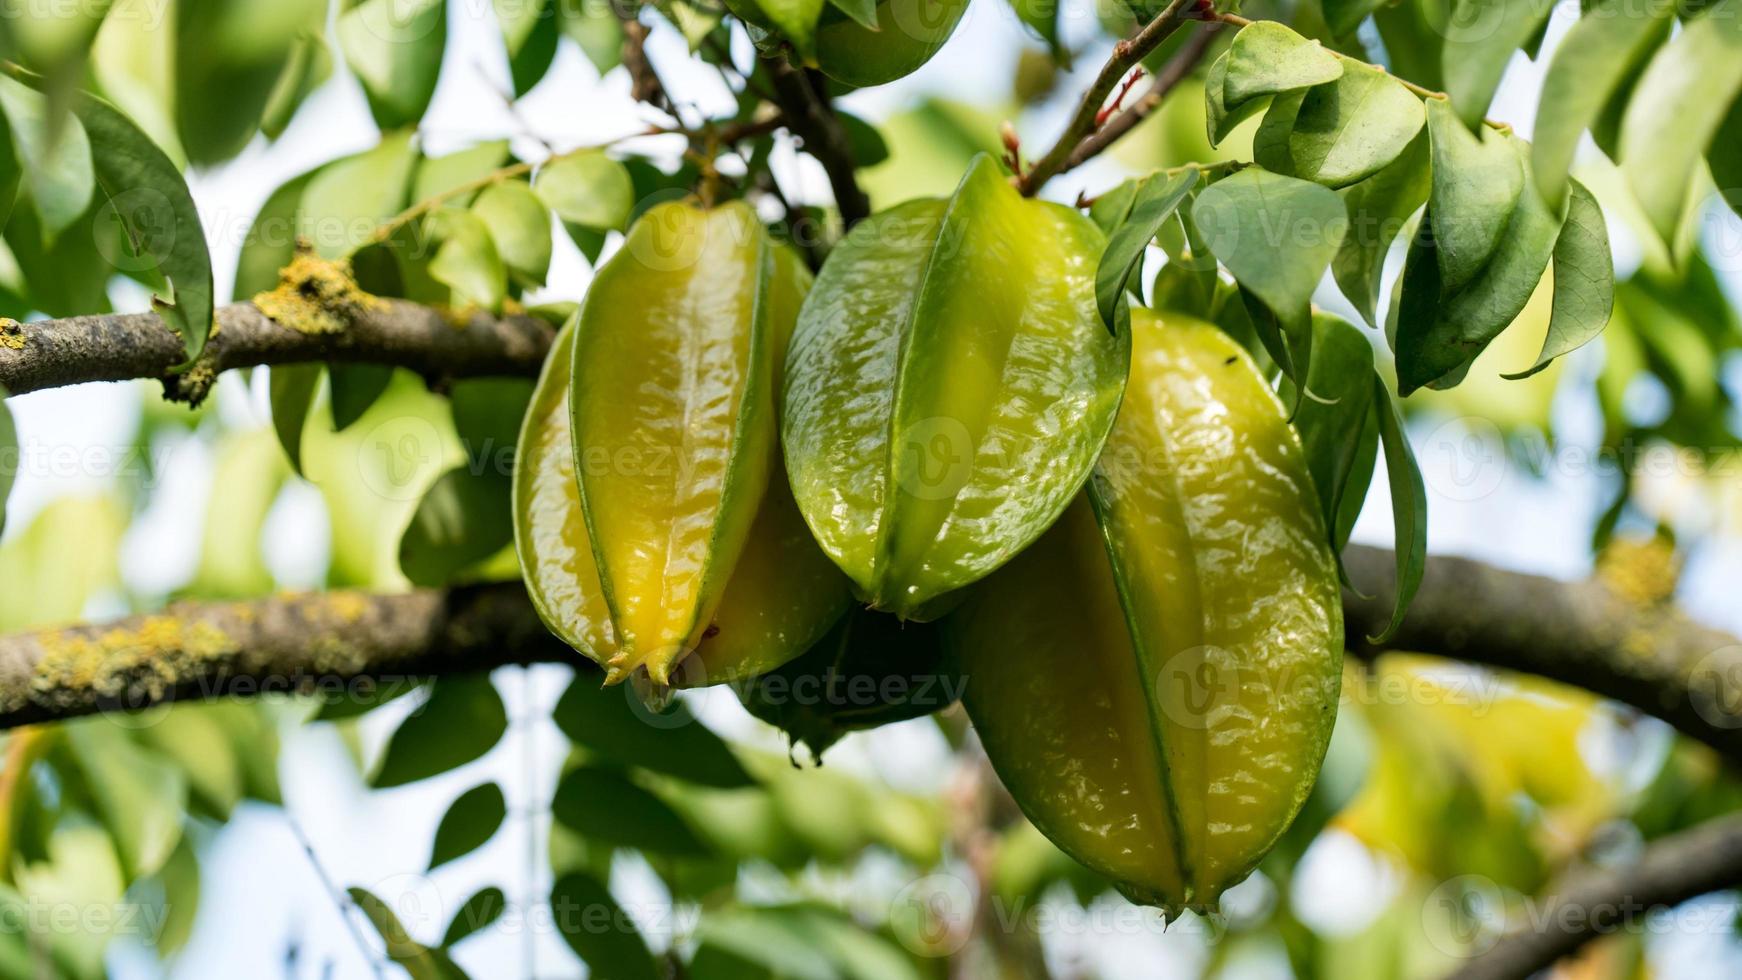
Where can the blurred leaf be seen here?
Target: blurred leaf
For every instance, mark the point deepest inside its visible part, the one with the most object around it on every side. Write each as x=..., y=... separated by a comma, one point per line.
x=603, y=720
x=179, y=880
x=54, y=566
x=599, y=931
x=270, y=244
x=463, y=518
x=467, y=260
x=1408, y=505
x=354, y=389
x=518, y=223
x=196, y=742
x=1343, y=16
x=930, y=146
x=1152, y=205
x=395, y=49
x=1584, y=280
x=309, y=65
x=588, y=189
x=133, y=63
x=487, y=416
x=867, y=144
x=347, y=199
x=418, y=960
x=470, y=822
x=55, y=155
x=596, y=29
x=445, y=174
x=478, y=912
x=799, y=941
x=529, y=32
x=462, y=720
x=248, y=473
x=230, y=58
x=138, y=793
x=1041, y=18
x=292, y=388
x=602, y=804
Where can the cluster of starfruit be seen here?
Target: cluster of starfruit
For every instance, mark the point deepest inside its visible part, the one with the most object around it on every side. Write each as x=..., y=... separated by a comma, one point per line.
x=730, y=471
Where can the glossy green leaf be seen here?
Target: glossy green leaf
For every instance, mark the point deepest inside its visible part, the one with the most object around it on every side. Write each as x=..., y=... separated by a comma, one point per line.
x=1380, y=208
x=466, y=260
x=1597, y=55
x=1477, y=181
x=354, y=389
x=1270, y=143
x=797, y=19
x=394, y=47
x=589, y=189
x=934, y=332
x=1681, y=101
x=1333, y=419
x=463, y=518
x=1350, y=129
x=346, y=199
x=470, y=822
x=462, y=719
x=419, y=961
x=1584, y=281
x=1480, y=40
x=1154, y=203
x=55, y=156
x=671, y=741
x=863, y=12
x=477, y=913
x=1220, y=117
x=445, y=175
x=1441, y=330
x=271, y=240
x=1267, y=57
x=1408, y=505
x=603, y=804
x=599, y=931
x=292, y=389
x=1276, y=234
x=519, y=224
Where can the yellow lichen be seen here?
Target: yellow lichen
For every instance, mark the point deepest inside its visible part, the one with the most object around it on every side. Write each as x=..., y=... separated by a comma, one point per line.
x=136, y=664
x=316, y=296
x=349, y=607
x=11, y=333
x=1643, y=571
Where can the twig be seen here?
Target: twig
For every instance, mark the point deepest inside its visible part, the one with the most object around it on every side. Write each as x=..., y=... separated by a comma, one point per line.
x=810, y=117
x=1126, y=54
x=340, y=897
x=644, y=83
x=1171, y=74
x=1671, y=871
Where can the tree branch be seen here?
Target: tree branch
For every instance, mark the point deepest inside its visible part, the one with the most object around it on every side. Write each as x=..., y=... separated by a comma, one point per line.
x=1595, y=903
x=119, y=347
x=1171, y=74
x=1580, y=633
x=644, y=83
x=1126, y=54
x=812, y=119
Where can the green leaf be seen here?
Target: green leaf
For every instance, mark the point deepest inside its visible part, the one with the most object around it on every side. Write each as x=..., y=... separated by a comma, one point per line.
x=1584, y=281
x=466, y=260
x=1677, y=109
x=1477, y=181
x=1600, y=52
x=1220, y=117
x=1343, y=16
x=292, y=388
x=193, y=738
x=599, y=931
x=1440, y=331
x=1379, y=210
x=445, y=174
x=394, y=47
x=603, y=805
x=1352, y=128
x=310, y=64
x=1040, y=17
x=1267, y=58
x=8, y=450
x=463, y=518
x=1276, y=234
x=271, y=240
x=478, y=912
x=1154, y=203
x=804, y=942
x=519, y=224
x=596, y=29
x=470, y=822
x=797, y=19
x=863, y=12
x=418, y=960
x=588, y=189
x=1109, y=210
x=145, y=195
x=354, y=389
x=1408, y=505
x=603, y=720
x=487, y=417
x=529, y=32
x=1480, y=39
x=866, y=142
x=462, y=720
x=1270, y=143
x=1333, y=420
x=347, y=199
x=1413, y=33
x=139, y=794
x=55, y=155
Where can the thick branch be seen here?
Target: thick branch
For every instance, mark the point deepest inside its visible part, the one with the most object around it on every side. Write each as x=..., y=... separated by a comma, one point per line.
x=1580, y=633
x=1673, y=870
x=812, y=119
x=119, y=347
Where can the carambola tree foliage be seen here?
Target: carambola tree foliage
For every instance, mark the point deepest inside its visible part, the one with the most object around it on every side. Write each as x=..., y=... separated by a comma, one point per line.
x=1069, y=484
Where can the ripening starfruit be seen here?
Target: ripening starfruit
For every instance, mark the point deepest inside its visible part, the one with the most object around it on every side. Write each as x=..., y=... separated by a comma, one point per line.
x=948, y=389
x=1155, y=680
x=652, y=517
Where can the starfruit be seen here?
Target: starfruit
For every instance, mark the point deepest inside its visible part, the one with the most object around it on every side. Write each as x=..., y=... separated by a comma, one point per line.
x=1155, y=680
x=653, y=523
x=948, y=389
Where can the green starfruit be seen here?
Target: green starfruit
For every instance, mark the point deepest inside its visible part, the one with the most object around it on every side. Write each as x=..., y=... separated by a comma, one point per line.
x=949, y=386
x=652, y=522
x=1155, y=680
